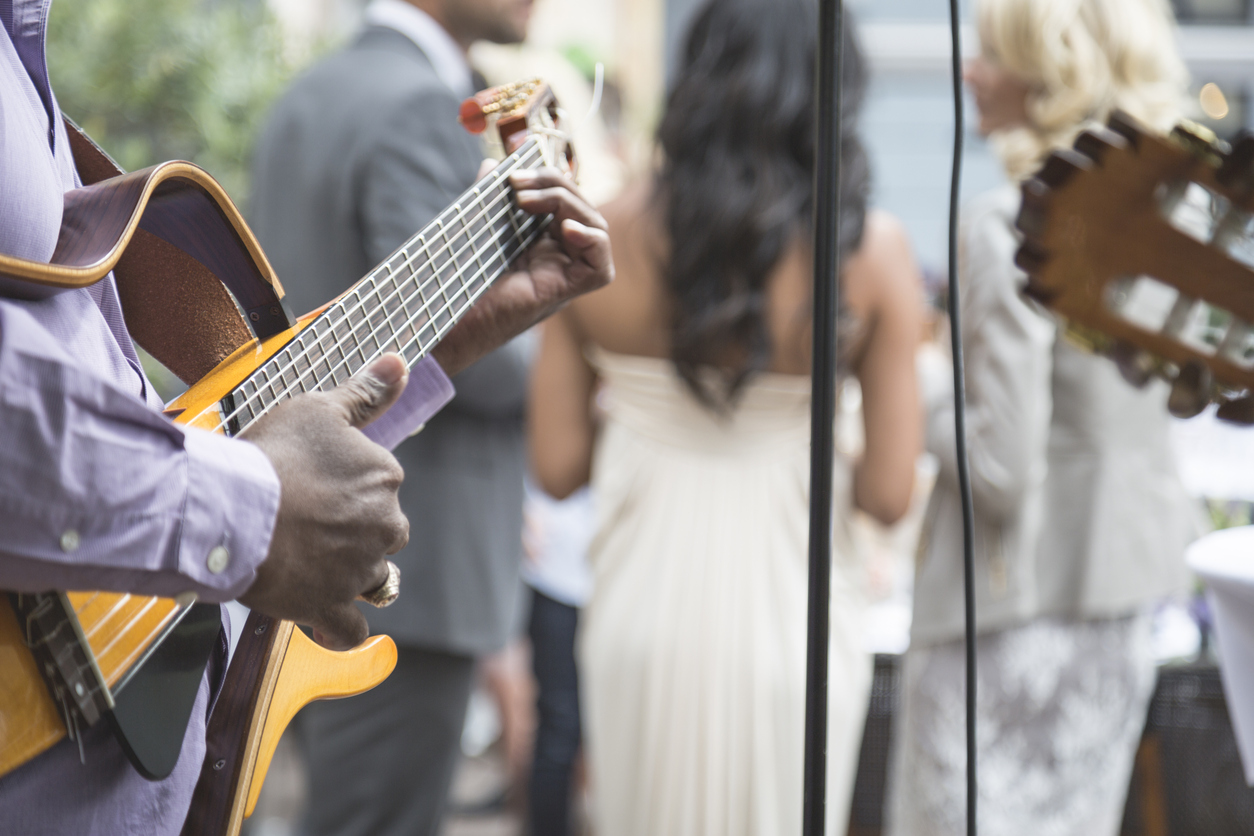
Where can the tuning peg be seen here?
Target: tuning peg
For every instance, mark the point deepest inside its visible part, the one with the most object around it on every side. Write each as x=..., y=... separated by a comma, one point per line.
x=1030, y=259
x=1190, y=391
x=1037, y=292
x=1033, y=208
x=1061, y=165
x=1096, y=141
x=473, y=115
x=1237, y=170
x=1238, y=410
x=1136, y=366
x=1127, y=127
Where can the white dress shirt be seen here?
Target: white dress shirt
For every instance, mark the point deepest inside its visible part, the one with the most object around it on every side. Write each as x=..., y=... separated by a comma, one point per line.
x=445, y=54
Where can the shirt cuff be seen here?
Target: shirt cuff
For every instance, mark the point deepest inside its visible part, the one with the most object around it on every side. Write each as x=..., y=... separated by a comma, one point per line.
x=428, y=390
x=232, y=503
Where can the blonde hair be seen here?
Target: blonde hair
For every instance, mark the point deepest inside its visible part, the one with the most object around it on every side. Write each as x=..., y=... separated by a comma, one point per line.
x=1081, y=59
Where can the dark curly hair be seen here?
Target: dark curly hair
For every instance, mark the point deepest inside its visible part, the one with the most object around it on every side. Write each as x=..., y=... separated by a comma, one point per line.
x=736, y=181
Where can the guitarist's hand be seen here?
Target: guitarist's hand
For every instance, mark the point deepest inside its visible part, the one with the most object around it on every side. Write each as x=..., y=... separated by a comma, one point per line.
x=338, y=509
x=571, y=258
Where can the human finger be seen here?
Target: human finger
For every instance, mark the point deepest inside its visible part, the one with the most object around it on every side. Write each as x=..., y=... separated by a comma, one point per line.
x=485, y=168
x=370, y=392
x=343, y=627
x=547, y=192
x=544, y=177
x=589, y=245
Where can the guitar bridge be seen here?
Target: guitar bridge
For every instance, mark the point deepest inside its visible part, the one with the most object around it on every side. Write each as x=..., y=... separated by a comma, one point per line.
x=55, y=639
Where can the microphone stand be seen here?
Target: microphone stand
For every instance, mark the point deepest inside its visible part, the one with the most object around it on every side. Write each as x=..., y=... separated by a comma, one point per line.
x=823, y=405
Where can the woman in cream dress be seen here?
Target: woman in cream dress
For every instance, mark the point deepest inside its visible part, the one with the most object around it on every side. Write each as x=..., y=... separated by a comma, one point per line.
x=692, y=647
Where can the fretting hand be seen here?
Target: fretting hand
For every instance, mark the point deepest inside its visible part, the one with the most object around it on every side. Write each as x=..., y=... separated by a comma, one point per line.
x=572, y=257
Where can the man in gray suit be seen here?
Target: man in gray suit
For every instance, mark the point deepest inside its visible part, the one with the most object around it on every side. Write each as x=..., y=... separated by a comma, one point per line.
x=363, y=151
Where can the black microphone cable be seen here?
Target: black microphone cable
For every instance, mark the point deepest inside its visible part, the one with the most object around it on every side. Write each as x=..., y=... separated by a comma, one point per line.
x=960, y=413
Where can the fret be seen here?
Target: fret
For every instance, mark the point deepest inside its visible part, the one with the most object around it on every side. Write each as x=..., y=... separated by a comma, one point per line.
x=341, y=330
x=367, y=346
x=348, y=351
x=282, y=363
x=322, y=368
x=470, y=247
x=395, y=297
x=446, y=272
x=426, y=275
x=244, y=412
x=378, y=315
x=339, y=369
x=427, y=335
x=461, y=239
x=401, y=317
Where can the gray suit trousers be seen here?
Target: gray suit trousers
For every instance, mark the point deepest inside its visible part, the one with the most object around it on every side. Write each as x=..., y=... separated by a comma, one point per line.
x=380, y=763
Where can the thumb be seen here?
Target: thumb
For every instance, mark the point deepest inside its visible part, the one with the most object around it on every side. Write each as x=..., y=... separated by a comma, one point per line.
x=372, y=390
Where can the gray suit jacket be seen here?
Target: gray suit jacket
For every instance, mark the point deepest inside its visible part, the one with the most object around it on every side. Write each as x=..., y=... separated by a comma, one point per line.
x=360, y=154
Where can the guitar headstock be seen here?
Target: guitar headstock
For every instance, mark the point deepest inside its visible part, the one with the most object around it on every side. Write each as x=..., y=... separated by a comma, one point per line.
x=1144, y=245
x=519, y=110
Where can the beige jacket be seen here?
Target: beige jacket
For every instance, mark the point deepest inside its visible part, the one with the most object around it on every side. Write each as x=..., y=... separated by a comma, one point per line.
x=1079, y=510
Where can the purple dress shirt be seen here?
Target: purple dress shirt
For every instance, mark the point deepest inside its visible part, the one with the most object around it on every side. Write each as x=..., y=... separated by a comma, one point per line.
x=97, y=489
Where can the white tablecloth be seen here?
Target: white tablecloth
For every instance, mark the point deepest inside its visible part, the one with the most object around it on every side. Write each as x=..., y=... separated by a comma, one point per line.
x=1225, y=561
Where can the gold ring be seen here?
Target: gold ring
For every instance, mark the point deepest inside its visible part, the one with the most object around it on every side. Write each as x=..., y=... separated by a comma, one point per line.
x=387, y=592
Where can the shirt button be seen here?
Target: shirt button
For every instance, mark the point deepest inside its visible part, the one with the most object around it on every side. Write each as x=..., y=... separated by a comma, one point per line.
x=69, y=540
x=218, y=559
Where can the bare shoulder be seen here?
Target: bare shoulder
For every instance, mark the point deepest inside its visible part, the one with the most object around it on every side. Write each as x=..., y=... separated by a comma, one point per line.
x=634, y=228
x=882, y=270
x=627, y=315
x=632, y=204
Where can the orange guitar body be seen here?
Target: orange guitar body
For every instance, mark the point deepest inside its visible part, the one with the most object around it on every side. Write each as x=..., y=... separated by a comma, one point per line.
x=119, y=628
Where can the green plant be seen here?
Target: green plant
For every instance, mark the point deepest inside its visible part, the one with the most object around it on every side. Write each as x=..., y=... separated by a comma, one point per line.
x=152, y=80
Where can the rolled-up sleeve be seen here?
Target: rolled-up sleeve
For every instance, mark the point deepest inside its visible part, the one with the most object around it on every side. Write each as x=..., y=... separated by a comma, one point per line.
x=98, y=491
x=427, y=392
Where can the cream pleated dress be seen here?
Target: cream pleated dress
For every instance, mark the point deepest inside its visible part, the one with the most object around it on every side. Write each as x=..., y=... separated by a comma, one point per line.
x=692, y=647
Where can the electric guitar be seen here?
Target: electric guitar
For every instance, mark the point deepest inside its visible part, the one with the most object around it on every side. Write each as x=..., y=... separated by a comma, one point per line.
x=1143, y=244
x=71, y=659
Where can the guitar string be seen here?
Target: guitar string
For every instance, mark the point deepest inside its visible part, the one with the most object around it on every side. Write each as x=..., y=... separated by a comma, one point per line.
x=363, y=298
x=286, y=388
x=328, y=327
x=471, y=298
x=374, y=332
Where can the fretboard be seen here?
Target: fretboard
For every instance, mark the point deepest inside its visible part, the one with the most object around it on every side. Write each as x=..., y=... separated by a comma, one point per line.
x=406, y=304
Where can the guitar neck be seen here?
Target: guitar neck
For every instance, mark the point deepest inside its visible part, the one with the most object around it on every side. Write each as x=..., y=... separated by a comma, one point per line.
x=406, y=304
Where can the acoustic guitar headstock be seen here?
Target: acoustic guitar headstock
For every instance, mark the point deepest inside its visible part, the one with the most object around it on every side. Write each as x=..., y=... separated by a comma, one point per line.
x=518, y=110
x=1144, y=245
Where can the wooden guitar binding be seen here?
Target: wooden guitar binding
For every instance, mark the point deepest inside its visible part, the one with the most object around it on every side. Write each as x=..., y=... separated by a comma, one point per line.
x=176, y=245
x=1129, y=225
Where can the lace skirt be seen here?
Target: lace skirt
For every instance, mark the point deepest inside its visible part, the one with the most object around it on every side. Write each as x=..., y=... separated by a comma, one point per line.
x=1061, y=705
